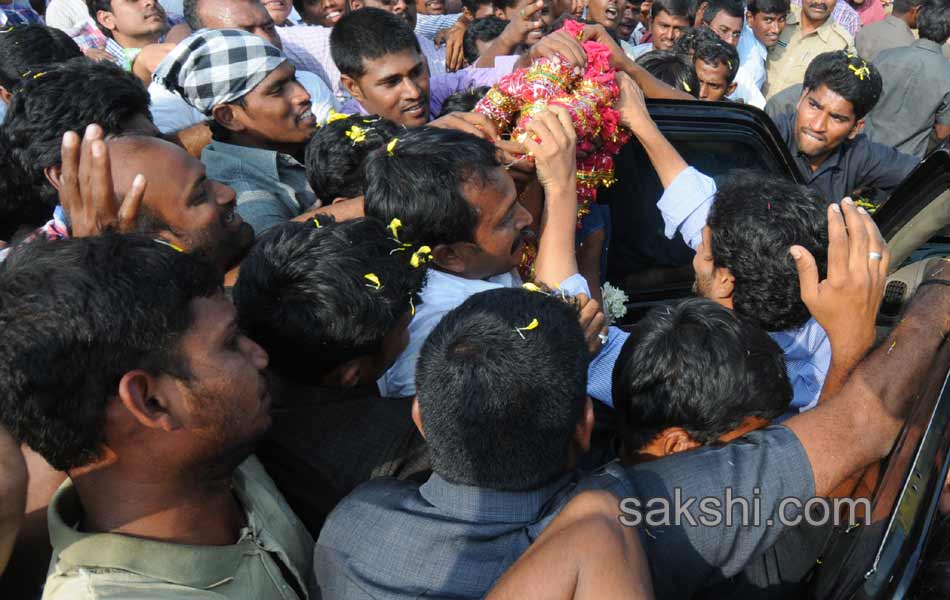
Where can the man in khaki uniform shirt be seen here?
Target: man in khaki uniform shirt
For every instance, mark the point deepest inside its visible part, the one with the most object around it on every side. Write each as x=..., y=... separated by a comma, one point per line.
x=808, y=32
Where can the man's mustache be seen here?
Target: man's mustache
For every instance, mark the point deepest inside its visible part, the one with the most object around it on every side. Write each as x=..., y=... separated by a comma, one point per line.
x=820, y=5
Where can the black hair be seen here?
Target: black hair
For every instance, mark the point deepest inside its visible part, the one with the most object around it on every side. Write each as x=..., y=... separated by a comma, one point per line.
x=368, y=34
x=849, y=76
x=699, y=367
x=472, y=5
x=499, y=401
x=464, y=101
x=66, y=97
x=75, y=316
x=190, y=10
x=733, y=8
x=685, y=44
x=420, y=183
x=26, y=49
x=674, y=8
x=769, y=7
x=933, y=22
x=503, y=4
x=715, y=52
x=303, y=296
x=481, y=30
x=672, y=69
x=902, y=7
x=754, y=219
x=336, y=164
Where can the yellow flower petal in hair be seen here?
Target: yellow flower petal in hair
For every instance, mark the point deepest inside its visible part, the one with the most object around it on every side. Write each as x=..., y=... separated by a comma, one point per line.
x=169, y=244
x=394, y=226
x=532, y=325
x=531, y=287
x=316, y=223
x=391, y=146
x=686, y=87
x=421, y=256
x=860, y=72
x=357, y=134
x=335, y=116
x=372, y=278
x=40, y=74
x=412, y=307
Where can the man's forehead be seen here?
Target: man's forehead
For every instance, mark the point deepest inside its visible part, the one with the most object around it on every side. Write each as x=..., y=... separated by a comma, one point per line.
x=831, y=100
x=150, y=154
x=391, y=64
x=211, y=315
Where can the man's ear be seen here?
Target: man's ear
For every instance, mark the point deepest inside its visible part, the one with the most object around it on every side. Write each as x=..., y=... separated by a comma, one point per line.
x=351, y=86
x=356, y=4
x=346, y=375
x=498, y=13
x=5, y=95
x=226, y=116
x=147, y=401
x=417, y=416
x=731, y=89
x=106, y=19
x=748, y=18
x=675, y=439
x=53, y=176
x=724, y=283
x=584, y=428
x=449, y=257
x=858, y=128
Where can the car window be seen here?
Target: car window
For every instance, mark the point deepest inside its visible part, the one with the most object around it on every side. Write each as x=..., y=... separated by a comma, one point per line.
x=641, y=260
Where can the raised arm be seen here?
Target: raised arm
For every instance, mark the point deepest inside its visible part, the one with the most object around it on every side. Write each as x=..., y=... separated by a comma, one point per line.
x=552, y=142
x=858, y=425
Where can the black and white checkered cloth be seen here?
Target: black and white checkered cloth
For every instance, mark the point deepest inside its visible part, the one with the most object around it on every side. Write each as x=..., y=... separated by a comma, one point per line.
x=216, y=66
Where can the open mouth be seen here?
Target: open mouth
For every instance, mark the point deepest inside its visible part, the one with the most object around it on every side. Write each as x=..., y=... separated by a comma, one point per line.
x=434, y=6
x=305, y=116
x=415, y=111
x=333, y=16
x=611, y=13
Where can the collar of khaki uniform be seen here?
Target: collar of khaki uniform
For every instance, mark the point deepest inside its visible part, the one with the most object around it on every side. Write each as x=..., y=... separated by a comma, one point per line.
x=823, y=31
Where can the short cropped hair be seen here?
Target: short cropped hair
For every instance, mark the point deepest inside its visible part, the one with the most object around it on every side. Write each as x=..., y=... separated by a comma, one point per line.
x=67, y=97
x=75, y=316
x=500, y=400
x=715, y=52
x=933, y=22
x=672, y=69
x=336, y=164
x=464, y=101
x=420, y=183
x=771, y=7
x=834, y=70
x=303, y=296
x=754, y=220
x=699, y=367
x=902, y=7
x=674, y=8
x=368, y=34
x=486, y=29
x=733, y=8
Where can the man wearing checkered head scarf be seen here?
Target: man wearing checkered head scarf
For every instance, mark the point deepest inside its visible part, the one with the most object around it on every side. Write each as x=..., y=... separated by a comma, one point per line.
x=261, y=120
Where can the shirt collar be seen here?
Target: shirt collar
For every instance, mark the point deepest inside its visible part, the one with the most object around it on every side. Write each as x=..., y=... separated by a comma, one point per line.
x=482, y=504
x=268, y=161
x=928, y=45
x=200, y=567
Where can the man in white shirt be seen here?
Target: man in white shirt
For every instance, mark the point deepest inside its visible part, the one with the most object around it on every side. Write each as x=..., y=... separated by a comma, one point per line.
x=765, y=20
x=171, y=113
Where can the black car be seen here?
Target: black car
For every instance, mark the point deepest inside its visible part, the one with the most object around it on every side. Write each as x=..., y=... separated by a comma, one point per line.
x=867, y=562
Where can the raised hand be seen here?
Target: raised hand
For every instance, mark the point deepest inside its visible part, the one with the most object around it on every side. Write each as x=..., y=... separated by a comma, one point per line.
x=86, y=192
x=553, y=143
x=846, y=302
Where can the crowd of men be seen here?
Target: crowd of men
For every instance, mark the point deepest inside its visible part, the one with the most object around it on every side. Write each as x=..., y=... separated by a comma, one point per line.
x=263, y=332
